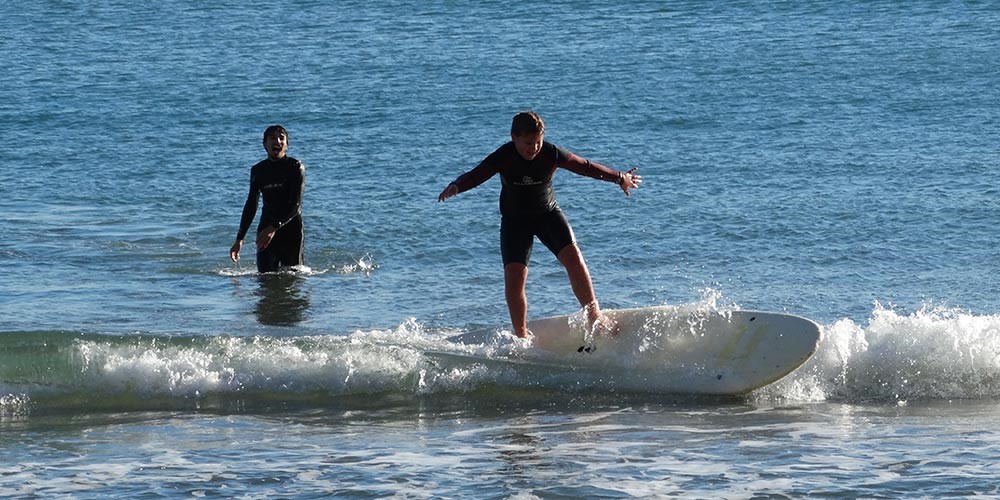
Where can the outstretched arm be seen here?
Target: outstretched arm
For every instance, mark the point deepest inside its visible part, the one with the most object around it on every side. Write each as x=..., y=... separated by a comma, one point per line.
x=468, y=180
x=626, y=180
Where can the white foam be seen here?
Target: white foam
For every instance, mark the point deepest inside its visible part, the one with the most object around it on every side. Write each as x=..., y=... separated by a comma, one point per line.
x=932, y=353
x=365, y=264
x=13, y=406
x=333, y=364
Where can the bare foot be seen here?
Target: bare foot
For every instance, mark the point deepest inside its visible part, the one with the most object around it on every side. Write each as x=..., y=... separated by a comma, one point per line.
x=600, y=322
x=607, y=326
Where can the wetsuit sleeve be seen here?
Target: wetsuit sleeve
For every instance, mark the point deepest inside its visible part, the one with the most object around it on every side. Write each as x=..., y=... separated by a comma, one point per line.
x=296, y=189
x=580, y=166
x=249, y=208
x=476, y=176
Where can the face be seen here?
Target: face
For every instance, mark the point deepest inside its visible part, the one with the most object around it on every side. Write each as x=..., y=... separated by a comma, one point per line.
x=276, y=146
x=528, y=145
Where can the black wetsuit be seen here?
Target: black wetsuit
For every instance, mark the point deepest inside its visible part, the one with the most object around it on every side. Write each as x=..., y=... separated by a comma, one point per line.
x=527, y=200
x=282, y=183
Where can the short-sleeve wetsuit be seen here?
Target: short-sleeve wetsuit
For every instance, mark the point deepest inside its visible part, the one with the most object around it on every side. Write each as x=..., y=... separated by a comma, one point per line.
x=281, y=182
x=527, y=201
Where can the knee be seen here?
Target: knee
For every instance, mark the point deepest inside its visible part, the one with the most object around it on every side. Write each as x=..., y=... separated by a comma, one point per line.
x=515, y=273
x=570, y=255
x=515, y=269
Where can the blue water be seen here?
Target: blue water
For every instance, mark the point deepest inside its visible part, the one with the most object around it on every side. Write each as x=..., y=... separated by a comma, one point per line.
x=831, y=160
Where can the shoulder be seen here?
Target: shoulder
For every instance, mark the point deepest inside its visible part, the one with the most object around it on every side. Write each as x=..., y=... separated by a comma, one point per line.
x=558, y=154
x=294, y=163
x=548, y=146
x=291, y=166
x=257, y=170
x=506, y=149
x=502, y=154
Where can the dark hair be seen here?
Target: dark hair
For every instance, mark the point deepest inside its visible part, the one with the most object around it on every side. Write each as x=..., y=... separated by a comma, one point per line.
x=527, y=123
x=275, y=129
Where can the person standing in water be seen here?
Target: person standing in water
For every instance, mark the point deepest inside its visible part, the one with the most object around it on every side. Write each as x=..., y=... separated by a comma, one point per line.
x=528, y=209
x=281, y=180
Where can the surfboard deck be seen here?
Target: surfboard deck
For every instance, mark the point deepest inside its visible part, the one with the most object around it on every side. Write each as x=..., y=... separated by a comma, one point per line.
x=676, y=349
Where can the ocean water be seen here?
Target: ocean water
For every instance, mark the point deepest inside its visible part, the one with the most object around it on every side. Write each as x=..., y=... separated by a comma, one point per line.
x=835, y=160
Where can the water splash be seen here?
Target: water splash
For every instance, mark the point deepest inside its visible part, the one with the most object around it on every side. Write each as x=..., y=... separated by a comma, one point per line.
x=933, y=353
x=365, y=264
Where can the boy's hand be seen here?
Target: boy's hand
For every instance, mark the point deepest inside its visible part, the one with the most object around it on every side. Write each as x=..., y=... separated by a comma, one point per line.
x=265, y=236
x=234, y=252
x=630, y=180
x=448, y=192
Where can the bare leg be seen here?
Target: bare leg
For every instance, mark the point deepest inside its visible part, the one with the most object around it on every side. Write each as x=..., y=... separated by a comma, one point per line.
x=515, y=277
x=579, y=278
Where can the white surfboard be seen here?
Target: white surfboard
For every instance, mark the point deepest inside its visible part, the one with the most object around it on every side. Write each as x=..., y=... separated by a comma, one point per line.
x=675, y=349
